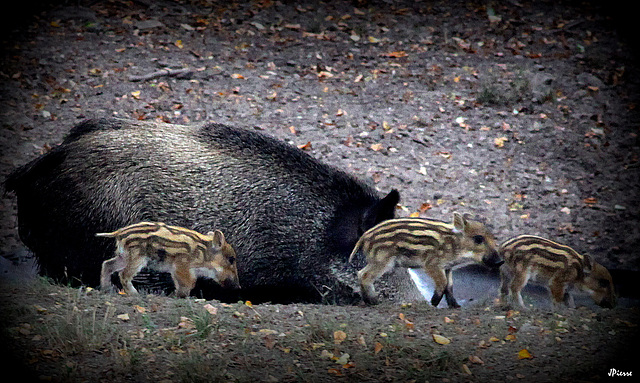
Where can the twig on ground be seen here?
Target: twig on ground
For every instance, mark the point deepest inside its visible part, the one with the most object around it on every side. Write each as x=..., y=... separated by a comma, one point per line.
x=180, y=73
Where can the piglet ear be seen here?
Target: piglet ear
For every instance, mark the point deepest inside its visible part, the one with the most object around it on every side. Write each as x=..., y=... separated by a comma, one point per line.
x=218, y=238
x=459, y=222
x=588, y=264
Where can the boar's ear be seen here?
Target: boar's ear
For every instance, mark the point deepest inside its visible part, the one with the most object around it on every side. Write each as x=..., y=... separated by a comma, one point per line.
x=218, y=238
x=354, y=218
x=459, y=222
x=381, y=210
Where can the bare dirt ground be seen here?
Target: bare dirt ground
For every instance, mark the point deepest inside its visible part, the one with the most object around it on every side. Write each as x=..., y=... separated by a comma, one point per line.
x=524, y=112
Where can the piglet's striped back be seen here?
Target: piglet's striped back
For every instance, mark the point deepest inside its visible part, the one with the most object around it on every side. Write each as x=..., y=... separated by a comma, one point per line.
x=172, y=239
x=415, y=234
x=527, y=249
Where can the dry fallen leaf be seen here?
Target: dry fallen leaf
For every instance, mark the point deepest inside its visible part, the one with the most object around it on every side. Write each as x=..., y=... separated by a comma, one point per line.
x=124, y=317
x=444, y=154
x=424, y=207
x=211, y=309
x=499, y=142
x=524, y=354
x=378, y=347
x=466, y=369
x=343, y=359
x=339, y=337
x=441, y=339
x=269, y=341
x=334, y=372
x=179, y=44
x=238, y=76
x=140, y=309
x=186, y=323
x=376, y=147
x=511, y=313
x=306, y=146
x=395, y=54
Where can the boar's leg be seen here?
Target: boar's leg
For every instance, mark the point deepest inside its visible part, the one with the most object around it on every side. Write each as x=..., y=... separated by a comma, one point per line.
x=557, y=288
x=519, y=280
x=505, y=278
x=135, y=262
x=367, y=276
x=448, y=291
x=568, y=299
x=439, y=278
x=370, y=273
x=183, y=279
x=110, y=266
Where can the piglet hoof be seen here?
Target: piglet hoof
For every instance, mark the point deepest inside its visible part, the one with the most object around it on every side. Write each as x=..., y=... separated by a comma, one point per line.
x=435, y=299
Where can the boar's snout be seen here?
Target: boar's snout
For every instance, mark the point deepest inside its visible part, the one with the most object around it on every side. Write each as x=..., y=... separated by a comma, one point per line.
x=231, y=284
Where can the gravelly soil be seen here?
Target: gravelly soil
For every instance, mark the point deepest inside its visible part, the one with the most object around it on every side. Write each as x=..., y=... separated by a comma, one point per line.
x=524, y=113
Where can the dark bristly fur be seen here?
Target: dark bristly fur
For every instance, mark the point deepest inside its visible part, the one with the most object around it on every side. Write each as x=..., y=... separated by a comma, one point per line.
x=291, y=219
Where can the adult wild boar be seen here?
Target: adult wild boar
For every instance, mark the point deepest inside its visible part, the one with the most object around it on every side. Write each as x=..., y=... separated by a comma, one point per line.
x=292, y=220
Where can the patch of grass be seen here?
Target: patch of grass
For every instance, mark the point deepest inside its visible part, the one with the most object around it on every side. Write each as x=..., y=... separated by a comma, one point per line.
x=229, y=345
x=205, y=324
x=200, y=367
x=80, y=330
x=319, y=330
x=498, y=91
